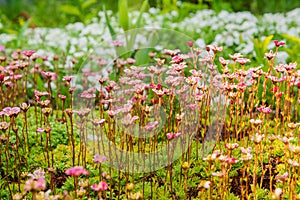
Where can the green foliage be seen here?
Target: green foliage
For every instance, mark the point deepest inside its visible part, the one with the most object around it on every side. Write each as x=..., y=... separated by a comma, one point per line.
x=260, y=48
x=292, y=47
x=81, y=9
x=123, y=15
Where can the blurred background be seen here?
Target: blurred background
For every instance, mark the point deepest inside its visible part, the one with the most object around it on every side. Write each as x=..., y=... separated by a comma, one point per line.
x=58, y=13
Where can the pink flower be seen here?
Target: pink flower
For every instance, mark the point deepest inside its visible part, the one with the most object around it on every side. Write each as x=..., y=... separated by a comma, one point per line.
x=40, y=130
x=214, y=48
x=98, y=121
x=37, y=174
x=130, y=61
x=28, y=53
x=171, y=52
x=282, y=178
x=151, y=125
x=223, y=61
x=190, y=43
x=68, y=78
x=279, y=43
x=49, y=75
x=4, y=126
x=117, y=43
x=270, y=55
x=243, y=61
x=89, y=93
x=264, y=110
x=231, y=146
x=246, y=150
x=2, y=48
x=11, y=112
x=102, y=186
x=173, y=135
x=99, y=159
x=62, y=97
x=235, y=56
x=231, y=161
x=257, y=138
x=77, y=171
x=34, y=184
x=177, y=59
x=129, y=120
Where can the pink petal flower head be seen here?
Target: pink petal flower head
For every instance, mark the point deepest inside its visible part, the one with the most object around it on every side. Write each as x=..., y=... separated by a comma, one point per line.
x=231, y=146
x=223, y=61
x=264, y=110
x=28, y=53
x=279, y=43
x=99, y=159
x=40, y=94
x=62, y=97
x=290, y=66
x=4, y=126
x=243, y=61
x=98, y=121
x=35, y=184
x=49, y=75
x=128, y=120
x=214, y=48
x=87, y=94
x=159, y=93
x=40, y=130
x=190, y=43
x=177, y=59
x=77, y=171
x=83, y=112
x=171, y=52
x=95, y=187
x=130, y=61
x=170, y=136
x=68, y=78
x=235, y=56
x=2, y=48
x=102, y=186
x=257, y=138
x=151, y=125
x=270, y=55
x=37, y=174
x=282, y=178
x=117, y=43
x=246, y=150
x=231, y=161
x=11, y=112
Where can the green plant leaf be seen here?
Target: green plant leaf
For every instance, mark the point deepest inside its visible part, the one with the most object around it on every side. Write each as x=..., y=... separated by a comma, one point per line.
x=88, y=3
x=123, y=14
x=142, y=10
x=265, y=43
x=293, y=39
x=137, y=24
x=110, y=28
x=71, y=10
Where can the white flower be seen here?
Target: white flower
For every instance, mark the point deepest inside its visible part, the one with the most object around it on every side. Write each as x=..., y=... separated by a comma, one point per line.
x=206, y=184
x=278, y=192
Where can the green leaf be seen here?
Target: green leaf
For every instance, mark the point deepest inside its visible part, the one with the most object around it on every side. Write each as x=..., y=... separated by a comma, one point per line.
x=71, y=10
x=88, y=3
x=137, y=24
x=266, y=42
x=142, y=10
x=123, y=14
x=293, y=39
x=110, y=28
